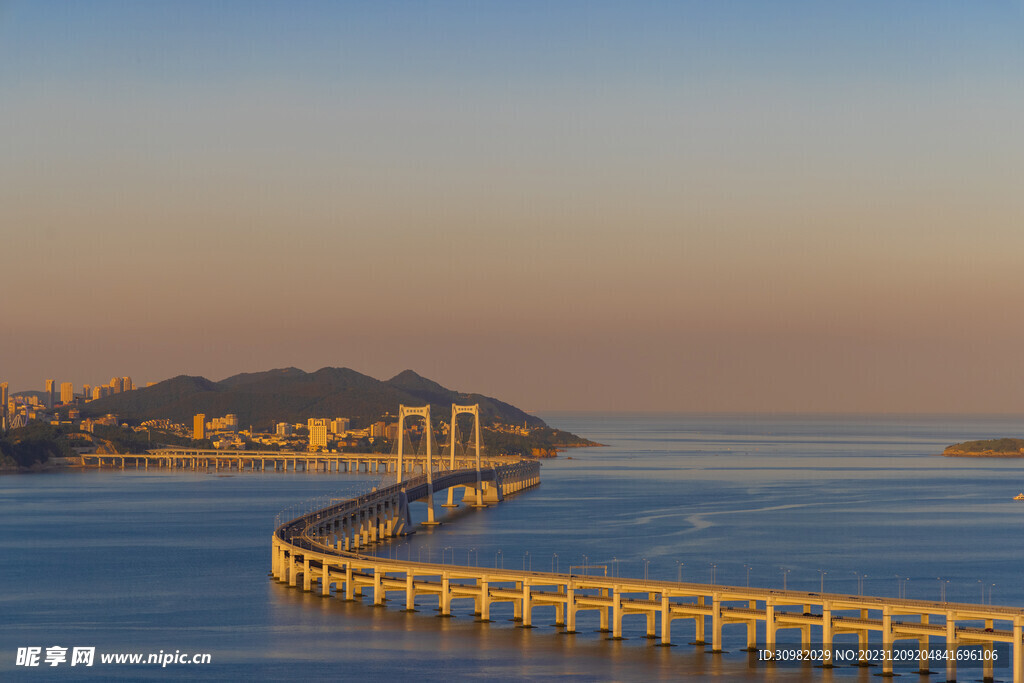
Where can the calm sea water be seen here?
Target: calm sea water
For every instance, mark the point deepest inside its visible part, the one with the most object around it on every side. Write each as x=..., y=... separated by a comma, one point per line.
x=140, y=561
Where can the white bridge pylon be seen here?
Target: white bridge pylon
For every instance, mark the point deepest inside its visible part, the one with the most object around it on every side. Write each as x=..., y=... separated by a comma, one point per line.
x=473, y=410
x=424, y=412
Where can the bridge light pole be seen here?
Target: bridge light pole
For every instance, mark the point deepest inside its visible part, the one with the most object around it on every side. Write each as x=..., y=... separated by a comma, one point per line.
x=679, y=571
x=496, y=556
x=990, y=593
x=714, y=567
x=748, y=567
x=784, y=573
x=822, y=572
x=615, y=561
x=647, y=563
x=526, y=557
x=445, y=550
x=554, y=563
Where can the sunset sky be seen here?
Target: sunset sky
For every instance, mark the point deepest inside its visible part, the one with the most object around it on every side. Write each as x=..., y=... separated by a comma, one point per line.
x=680, y=206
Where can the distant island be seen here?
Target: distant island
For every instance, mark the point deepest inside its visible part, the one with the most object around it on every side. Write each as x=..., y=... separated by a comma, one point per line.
x=266, y=410
x=987, y=448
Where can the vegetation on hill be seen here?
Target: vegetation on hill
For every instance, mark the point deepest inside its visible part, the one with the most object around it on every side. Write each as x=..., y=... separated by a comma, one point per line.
x=33, y=444
x=261, y=399
x=1005, y=448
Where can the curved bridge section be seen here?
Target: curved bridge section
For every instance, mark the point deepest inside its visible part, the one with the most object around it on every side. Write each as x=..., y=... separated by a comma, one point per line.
x=322, y=548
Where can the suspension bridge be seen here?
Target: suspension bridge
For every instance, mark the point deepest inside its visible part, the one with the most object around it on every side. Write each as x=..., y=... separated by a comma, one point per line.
x=330, y=548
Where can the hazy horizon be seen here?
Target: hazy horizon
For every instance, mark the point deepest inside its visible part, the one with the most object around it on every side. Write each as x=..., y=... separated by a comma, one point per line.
x=678, y=206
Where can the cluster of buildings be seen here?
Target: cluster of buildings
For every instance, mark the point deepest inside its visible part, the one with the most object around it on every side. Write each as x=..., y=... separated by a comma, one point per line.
x=316, y=434
x=17, y=411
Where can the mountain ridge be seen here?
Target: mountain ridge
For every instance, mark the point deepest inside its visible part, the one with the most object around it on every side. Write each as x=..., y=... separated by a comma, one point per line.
x=292, y=395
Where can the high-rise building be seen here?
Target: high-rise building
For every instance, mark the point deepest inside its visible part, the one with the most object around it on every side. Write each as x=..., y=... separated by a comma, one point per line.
x=283, y=429
x=199, y=426
x=377, y=429
x=86, y=391
x=339, y=425
x=99, y=391
x=318, y=433
x=3, y=398
x=116, y=385
x=126, y=384
x=49, y=397
x=231, y=422
x=67, y=392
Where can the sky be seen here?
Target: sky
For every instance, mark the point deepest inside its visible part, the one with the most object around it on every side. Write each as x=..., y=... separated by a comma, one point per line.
x=676, y=206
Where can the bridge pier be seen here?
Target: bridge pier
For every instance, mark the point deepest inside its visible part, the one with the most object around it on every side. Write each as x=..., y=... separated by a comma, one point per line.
x=666, y=621
x=716, y=624
x=616, y=613
x=445, y=599
x=378, y=588
x=651, y=631
x=325, y=581
x=887, y=641
x=570, y=609
x=527, y=609
x=1018, y=652
x=410, y=592
x=603, y=611
x=951, y=647
x=485, y=601
x=826, y=632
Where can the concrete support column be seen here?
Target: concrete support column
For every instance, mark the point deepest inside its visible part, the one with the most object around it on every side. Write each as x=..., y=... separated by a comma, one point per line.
x=769, y=626
x=527, y=606
x=617, y=613
x=699, y=637
x=651, y=632
x=570, y=611
x=716, y=624
x=560, y=609
x=293, y=572
x=751, y=629
x=1017, y=651
x=988, y=664
x=273, y=558
x=517, y=606
x=307, y=575
x=325, y=581
x=349, y=582
x=951, y=645
x=446, y=597
x=378, y=587
x=603, y=611
x=826, y=634
x=922, y=646
x=862, y=642
x=666, y=620
x=485, y=600
x=805, y=633
x=887, y=641
x=410, y=592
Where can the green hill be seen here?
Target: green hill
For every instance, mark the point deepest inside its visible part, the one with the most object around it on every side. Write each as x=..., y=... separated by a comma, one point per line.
x=988, y=448
x=291, y=395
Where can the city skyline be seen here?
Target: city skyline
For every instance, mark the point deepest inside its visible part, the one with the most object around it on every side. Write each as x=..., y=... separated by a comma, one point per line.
x=655, y=206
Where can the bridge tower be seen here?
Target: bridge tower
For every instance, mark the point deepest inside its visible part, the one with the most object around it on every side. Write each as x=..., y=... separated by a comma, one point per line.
x=473, y=410
x=424, y=412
